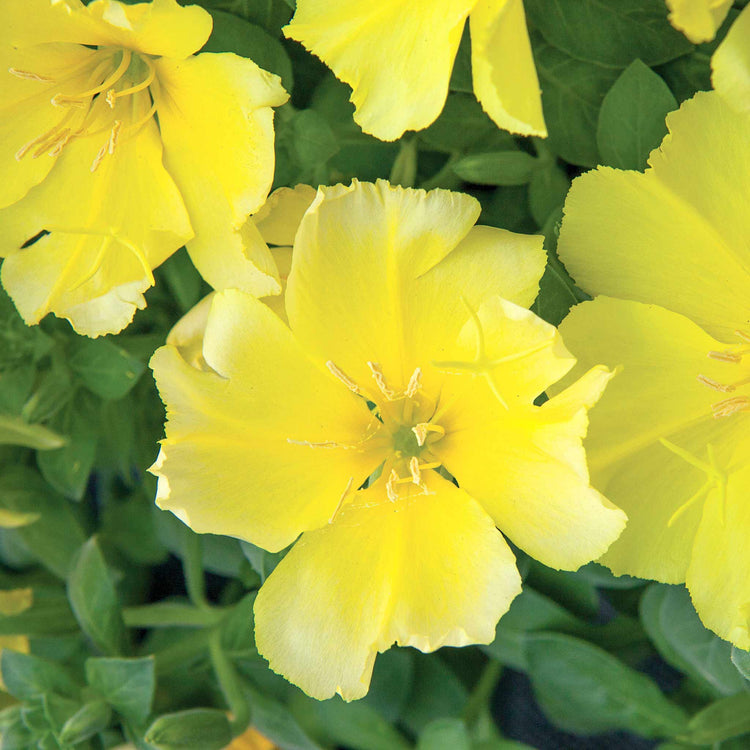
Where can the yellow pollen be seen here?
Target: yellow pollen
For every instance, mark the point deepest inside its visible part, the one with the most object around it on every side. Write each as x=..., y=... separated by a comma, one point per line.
x=726, y=356
x=416, y=476
x=114, y=137
x=343, y=377
x=743, y=335
x=390, y=486
x=415, y=383
x=99, y=158
x=423, y=428
x=111, y=98
x=29, y=76
x=715, y=384
x=730, y=406
x=377, y=373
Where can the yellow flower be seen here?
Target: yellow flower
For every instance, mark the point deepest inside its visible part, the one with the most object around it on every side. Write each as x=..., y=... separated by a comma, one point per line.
x=14, y=602
x=399, y=358
x=398, y=58
x=669, y=441
x=117, y=146
x=698, y=20
x=731, y=64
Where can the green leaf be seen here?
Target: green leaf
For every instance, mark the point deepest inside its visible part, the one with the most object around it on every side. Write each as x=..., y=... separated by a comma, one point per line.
x=104, y=368
x=233, y=34
x=26, y=676
x=94, y=600
x=678, y=634
x=445, y=734
x=274, y=721
x=196, y=729
x=741, y=660
x=584, y=689
x=16, y=431
x=632, y=117
x=126, y=684
x=48, y=615
x=56, y=536
x=722, y=720
x=610, y=33
x=547, y=190
x=89, y=720
x=183, y=279
x=128, y=525
x=313, y=140
x=391, y=684
x=499, y=168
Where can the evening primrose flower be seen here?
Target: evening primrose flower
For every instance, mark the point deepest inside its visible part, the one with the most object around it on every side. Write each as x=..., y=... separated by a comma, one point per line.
x=336, y=433
x=398, y=59
x=117, y=146
x=698, y=20
x=669, y=441
x=730, y=64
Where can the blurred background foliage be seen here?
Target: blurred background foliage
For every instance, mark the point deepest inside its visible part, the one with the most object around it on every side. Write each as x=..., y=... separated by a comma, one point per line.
x=119, y=624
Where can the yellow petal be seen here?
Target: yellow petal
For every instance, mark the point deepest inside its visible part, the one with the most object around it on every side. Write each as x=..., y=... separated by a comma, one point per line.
x=698, y=20
x=222, y=158
x=396, y=58
x=92, y=267
x=731, y=64
x=718, y=576
x=505, y=79
x=527, y=468
x=278, y=219
x=27, y=114
x=676, y=235
x=431, y=571
x=263, y=425
x=187, y=334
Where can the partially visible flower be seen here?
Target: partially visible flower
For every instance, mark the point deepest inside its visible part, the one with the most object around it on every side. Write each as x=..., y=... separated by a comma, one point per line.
x=398, y=57
x=730, y=64
x=14, y=602
x=669, y=440
x=251, y=739
x=117, y=146
x=698, y=20
x=398, y=365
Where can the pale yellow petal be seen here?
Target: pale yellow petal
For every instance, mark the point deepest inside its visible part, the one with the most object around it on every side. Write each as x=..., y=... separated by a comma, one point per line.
x=278, y=219
x=731, y=64
x=187, y=334
x=526, y=466
x=397, y=58
x=676, y=235
x=429, y=571
x=92, y=267
x=266, y=425
x=505, y=79
x=222, y=158
x=698, y=20
x=718, y=577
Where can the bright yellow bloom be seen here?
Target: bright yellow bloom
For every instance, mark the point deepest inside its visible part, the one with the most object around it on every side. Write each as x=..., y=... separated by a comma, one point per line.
x=119, y=145
x=14, y=602
x=669, y=441
x=399, y=358
x=398, y=57
x=698, y=20
x=731, y=64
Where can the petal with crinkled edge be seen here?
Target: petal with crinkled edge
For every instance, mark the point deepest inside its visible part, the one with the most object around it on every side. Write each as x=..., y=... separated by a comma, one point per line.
x=160, y=27
x=527, y=468
x=280, y=216
x=97, y=259
x=730, y=64
x=265, y=424
x=698, y=20
x=505, y=79
x=222, y=159
x=397, y=58
x=427, y=572
x=676, y=235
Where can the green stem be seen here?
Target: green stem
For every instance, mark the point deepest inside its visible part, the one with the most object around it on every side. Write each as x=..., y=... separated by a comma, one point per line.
x=482, y=692
x=445, y=178
x=171, y=615
x=185, y=650
x=192, y=565
x=229, y=683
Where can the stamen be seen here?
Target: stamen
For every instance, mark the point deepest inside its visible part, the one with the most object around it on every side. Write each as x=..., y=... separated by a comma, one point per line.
x=111, y=98
x=343, y=377
x=342, y=498
x=726, y=356
x=416, y=477
x=390, y=486
x=730, y=406
x=715, y=385
x=423, y=428
x=323, y=444
x=144, y=84
x=114, y=137
x=29, y=76
x=99, y=158
x=415, y=383
x=377, y=373
x=54, y=144
x=60, y=100
x=140, y=123
x=49, y=136
x=743, y=335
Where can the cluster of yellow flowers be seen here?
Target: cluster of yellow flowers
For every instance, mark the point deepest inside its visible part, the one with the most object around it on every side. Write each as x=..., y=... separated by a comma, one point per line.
x=364, y=384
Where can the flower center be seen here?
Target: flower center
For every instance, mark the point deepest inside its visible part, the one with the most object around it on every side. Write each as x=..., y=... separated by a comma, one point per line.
x=108, y=96
x=733, y=356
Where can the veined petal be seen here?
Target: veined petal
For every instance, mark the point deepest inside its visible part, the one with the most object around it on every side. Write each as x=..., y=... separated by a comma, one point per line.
x=676, y=235
x=718, y=575
x=27, y=114
x=280, y=216
x=266, y=424
x=505, y=79
x=222, y=159
x=397, y=58
x=92, y=267
x=527, y=468
x=731, y=64
x=698, y=20
x=428, y=571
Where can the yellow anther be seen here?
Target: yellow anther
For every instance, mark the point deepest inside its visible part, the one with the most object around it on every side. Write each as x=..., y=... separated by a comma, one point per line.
x=99, y=158
x=415, y=383
x=730, y=406
x=114, y=137
x=63, y=100
x=343, y=377
x=111, y=98
x=726, y=356
x=377, y=374
x=416, y=476
x=390, y=486
x=743, y=335
x=715, y=384
x=422, y=429
x=322, y=444
x=29, y=76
